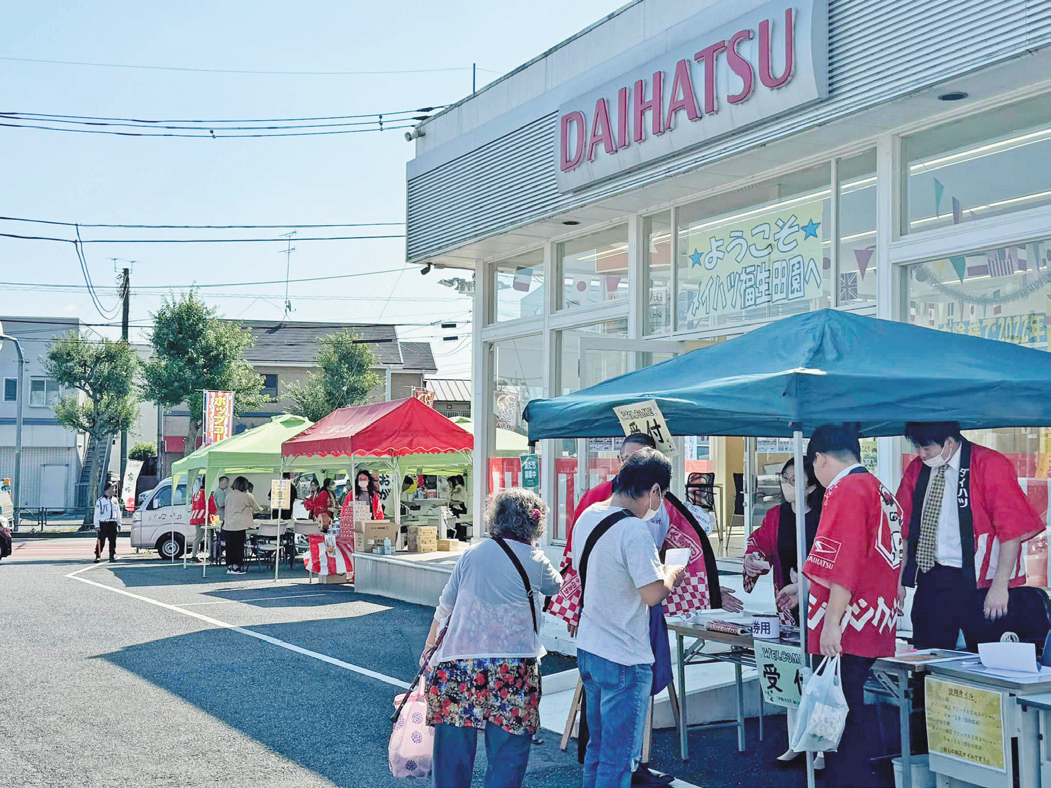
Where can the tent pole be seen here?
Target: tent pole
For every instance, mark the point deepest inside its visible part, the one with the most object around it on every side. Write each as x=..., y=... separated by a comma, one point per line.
x=280, y=523
x=801, y=554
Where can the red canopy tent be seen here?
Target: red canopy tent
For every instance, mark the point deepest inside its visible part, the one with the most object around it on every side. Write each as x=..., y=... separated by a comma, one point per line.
x=386, y=429
x=401, y=428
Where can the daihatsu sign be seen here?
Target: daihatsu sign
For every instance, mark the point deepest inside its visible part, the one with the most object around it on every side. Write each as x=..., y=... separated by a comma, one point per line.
x=760, y=65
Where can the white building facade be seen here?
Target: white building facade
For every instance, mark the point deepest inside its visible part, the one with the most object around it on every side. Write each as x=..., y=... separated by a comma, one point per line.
x=52, y=455
x=680, y=173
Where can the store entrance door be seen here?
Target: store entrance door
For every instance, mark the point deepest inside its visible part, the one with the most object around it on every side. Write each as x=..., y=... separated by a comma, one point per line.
x=602, y=358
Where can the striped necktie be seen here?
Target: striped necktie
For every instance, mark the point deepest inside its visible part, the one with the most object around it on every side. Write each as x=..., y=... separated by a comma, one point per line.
x=932, y=509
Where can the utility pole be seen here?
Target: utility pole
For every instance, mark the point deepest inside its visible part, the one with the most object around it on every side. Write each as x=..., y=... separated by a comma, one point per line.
x=126, y=293
x=474, y=78
x=288, y=269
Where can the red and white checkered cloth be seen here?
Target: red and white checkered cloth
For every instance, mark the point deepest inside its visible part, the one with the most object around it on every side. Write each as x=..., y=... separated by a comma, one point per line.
x=330, y=555
x=689, y=597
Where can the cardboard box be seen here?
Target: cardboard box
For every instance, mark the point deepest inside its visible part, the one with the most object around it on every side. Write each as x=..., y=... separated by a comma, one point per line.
x=446, y=545
x=331, y=579
x=378, y=530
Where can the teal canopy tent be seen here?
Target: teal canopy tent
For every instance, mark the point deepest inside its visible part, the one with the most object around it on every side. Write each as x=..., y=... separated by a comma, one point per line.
x=818, y=368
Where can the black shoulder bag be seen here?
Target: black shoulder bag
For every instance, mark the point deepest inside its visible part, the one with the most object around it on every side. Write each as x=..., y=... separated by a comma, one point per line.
x=604, y=525
x=525, y=580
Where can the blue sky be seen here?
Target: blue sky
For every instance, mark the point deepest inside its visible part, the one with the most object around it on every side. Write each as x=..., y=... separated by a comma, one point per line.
x=342, y=178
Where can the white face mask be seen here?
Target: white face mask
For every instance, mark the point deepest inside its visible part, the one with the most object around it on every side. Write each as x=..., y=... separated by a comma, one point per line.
x=938, y=460
x=789, y=492
x=651, y=513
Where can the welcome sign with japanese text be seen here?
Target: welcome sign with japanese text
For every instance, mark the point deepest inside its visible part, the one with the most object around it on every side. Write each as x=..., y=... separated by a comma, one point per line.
x=646, y=417
x=218, y=416
x=712, y=74
x=742, y=263
x=782, y=673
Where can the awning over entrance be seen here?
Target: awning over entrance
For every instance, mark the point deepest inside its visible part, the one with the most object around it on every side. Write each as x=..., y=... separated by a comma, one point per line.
x=816, y=368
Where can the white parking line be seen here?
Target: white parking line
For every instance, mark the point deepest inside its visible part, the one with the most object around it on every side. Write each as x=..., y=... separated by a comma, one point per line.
x=254, y=599
x=240, y=630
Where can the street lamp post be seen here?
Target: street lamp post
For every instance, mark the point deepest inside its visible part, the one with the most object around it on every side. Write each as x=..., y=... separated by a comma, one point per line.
x=18, y=420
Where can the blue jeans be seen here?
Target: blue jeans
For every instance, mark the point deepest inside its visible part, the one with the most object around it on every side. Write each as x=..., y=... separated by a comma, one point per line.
x=618, y=697
x=454, y=748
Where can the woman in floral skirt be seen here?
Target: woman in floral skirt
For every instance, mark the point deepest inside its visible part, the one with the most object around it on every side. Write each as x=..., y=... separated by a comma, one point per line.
x=485, y=671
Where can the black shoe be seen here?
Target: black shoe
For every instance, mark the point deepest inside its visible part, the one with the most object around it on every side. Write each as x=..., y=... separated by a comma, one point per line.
x=647, y=777
x=97, y=559
x=113, y=560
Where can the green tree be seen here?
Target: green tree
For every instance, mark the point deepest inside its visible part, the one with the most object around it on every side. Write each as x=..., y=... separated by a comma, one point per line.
x=345, y=377
x=142, y=451
x=104, y=371
x=193, y=351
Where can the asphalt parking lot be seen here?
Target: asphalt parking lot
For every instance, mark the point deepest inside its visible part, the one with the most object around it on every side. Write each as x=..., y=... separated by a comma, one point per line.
x=143, y=673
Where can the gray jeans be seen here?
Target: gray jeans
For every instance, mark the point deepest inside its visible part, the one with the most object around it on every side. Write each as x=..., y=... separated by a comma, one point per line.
x=198, y=538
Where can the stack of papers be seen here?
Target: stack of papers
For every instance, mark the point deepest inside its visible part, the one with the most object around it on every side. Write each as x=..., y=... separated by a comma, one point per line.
x=1015, y=661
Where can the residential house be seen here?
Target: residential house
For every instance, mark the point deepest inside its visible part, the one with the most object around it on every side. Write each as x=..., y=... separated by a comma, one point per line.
x=284, y=352
x=452, y=396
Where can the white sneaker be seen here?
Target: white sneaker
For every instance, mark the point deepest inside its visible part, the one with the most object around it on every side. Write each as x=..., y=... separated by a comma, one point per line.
x=231, y=572
x=819, y=762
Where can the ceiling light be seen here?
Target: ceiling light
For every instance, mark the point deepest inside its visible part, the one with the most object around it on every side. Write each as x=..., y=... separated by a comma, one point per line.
x=570, y=222
x=953, y=95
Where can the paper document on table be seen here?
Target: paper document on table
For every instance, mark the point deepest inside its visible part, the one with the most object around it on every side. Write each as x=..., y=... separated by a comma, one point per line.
x=1019, y=677
x=677, y=556
x=1013, y=657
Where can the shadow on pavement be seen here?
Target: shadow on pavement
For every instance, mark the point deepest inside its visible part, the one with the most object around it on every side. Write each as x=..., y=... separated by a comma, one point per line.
x=324, y=718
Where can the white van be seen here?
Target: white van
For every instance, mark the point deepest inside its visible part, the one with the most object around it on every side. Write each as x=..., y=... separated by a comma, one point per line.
x=162, y=523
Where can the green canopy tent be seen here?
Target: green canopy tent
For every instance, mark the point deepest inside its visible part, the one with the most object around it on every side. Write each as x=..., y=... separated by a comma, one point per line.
x=257, y=450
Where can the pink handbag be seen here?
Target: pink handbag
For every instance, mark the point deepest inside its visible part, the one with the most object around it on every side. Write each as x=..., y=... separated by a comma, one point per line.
x=411, y=748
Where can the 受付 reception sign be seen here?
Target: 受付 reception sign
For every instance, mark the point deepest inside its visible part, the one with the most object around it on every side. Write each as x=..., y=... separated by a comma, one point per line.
x=753, y=261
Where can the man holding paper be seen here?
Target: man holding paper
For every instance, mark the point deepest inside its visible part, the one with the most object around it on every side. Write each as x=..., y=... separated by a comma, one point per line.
x=854, y=567
x=670, y=528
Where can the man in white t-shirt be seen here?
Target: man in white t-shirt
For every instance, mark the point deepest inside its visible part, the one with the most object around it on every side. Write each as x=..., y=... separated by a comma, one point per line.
x=623, y=577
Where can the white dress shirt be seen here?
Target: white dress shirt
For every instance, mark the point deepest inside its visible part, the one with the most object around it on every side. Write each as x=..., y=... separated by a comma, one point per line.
x=948, y=550
x=106, y=510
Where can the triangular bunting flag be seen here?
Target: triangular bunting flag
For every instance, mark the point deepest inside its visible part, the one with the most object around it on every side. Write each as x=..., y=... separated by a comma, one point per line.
x=957, y=211
x=959, y=264
x=939, y=268
x=863, y=256
x=939, y=191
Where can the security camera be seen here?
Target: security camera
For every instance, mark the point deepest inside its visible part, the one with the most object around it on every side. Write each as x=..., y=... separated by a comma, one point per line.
x=426, y=269
x=408, y=136
x=414, y=134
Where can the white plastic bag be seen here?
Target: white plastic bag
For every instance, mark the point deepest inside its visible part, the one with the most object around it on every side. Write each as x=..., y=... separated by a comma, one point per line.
x=411, y=747
x=822, y=711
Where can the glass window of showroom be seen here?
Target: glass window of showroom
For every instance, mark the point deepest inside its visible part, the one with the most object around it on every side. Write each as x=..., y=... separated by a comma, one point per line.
x=988, y=165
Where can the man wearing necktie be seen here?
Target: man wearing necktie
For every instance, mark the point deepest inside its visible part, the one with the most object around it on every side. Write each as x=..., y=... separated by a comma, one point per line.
x=967, y=519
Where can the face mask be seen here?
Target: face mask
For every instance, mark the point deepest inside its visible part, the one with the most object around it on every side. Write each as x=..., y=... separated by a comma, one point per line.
x=789, y=492
x=936, y=462
x=651, y=513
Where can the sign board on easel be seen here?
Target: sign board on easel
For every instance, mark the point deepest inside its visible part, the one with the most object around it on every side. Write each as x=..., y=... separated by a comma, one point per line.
x=281, y=494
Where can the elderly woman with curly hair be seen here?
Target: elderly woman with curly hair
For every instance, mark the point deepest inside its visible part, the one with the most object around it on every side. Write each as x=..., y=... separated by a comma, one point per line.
x=485, y=664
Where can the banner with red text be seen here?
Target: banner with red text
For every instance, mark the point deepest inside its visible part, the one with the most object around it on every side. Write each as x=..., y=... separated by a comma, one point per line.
x=218, y=416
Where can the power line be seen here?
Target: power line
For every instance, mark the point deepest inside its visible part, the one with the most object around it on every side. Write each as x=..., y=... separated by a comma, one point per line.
x=212, y=284
x=63, y=116
x=209, y=133
x=210, y=127
x=195, y=240
x=243, y=71
x=290, y=225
